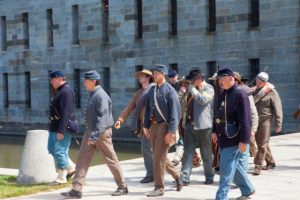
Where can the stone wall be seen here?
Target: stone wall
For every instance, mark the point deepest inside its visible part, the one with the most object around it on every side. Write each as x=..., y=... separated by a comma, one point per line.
x=27, y=59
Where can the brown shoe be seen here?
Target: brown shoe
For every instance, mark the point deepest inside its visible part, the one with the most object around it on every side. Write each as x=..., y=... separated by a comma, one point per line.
x=270, y=166
x=156, y=193
x=179, y=183
x=256, y=172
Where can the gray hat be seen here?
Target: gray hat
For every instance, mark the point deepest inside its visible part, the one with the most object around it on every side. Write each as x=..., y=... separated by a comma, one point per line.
x=263, y=76
x=160, y=68
x=92, y=75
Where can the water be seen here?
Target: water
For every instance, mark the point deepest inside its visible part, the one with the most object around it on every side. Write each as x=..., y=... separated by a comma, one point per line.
x=11, y=149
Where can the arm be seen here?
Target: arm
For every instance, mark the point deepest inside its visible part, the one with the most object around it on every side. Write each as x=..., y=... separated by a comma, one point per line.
x=204, y=96
x=129, y=108
x=65, y=109
x=174, y=109
x=277, y=110
x=254, y=115
x=244, y=117
x=148, y=107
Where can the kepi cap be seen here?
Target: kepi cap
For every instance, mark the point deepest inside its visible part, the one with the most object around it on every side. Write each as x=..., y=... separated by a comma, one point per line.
x=225, y=72
x=56, y=73
x=172, y=73
x=91, y=75
x=160, y=68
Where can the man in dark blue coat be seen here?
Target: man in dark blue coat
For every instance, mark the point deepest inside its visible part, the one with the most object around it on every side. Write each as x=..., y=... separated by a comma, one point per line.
x=231, y=128
x=61, y=111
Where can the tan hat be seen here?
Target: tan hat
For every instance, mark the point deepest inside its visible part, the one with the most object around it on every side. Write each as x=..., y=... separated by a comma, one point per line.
x=144, y=72
x=237, y=76
x=213, y=78
x=181, y=79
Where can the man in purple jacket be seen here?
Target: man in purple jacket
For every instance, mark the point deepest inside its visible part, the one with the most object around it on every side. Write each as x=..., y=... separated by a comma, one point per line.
x=231, y=128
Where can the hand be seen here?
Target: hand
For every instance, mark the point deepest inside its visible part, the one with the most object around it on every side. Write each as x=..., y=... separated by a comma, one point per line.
x=242, y=147
x=118, y=124
x=214, y=137
x=252, y=133
x=183, y=90
x=169, y=138
x=91, y=142
x=191, y=86
x=277, y=129
x=59, y=136
x=147, y=133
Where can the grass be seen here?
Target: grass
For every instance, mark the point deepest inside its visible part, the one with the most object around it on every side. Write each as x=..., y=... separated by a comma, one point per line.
x=10, y=188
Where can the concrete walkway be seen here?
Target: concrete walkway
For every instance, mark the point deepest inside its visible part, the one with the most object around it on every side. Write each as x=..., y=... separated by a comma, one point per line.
x=280, y=183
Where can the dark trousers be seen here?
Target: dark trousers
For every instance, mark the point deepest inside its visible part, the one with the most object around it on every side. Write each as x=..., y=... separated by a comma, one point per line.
x=160, y=151
x=86, y=153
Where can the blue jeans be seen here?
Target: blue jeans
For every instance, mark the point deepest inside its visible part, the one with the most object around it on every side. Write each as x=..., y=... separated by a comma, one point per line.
x=59, y=149
x=193, y=139
x=147, y=155
x=232, y=167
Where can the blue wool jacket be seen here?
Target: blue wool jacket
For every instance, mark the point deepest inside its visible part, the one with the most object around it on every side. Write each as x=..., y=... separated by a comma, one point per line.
x=168, y=102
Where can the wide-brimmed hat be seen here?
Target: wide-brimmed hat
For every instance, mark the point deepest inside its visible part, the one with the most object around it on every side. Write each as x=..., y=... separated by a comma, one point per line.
x=144, y=72
x=237, y=76
x=160, y=68
x=91, y=75
x=182, y=79
x=194, y=74
x=213, y=78
x=56, y=73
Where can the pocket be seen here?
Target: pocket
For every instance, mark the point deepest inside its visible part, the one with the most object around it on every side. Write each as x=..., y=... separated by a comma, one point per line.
x=232, y=130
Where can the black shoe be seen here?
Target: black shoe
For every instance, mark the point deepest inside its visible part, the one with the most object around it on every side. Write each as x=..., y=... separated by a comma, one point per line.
x=147, y=179
x=208, y=182
x=270, y=166
x=72, y=194
x=69, y=175
x=184, y=183
x=179, y=183
x=156, y=193
x=120, y=192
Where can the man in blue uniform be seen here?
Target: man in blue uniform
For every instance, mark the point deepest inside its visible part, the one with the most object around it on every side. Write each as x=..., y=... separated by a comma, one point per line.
x=160, y=124
x=231, y=128
x=61, y=111
x=98, y=136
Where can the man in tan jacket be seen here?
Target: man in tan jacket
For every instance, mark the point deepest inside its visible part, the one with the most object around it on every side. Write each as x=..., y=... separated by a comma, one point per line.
x=137, y=103
x=268, y=106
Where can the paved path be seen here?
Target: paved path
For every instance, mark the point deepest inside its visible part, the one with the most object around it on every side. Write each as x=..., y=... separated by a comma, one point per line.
x=280, y=183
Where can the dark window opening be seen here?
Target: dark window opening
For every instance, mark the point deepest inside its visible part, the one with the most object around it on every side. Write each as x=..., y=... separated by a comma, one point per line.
x=77, y=91
x=106, y=79
x=105, y=20
x=211, y=15
x=3, y=34
x=254, y=68
x=27, y=89
x=254, y=13
x=26, y=30
x=75, y=25
x=173, y=30
x=49, y=28
x=174, y=66
x=5, y=90
x=139, y=14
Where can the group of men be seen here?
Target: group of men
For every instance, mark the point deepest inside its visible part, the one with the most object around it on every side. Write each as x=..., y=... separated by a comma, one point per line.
x=162, y=107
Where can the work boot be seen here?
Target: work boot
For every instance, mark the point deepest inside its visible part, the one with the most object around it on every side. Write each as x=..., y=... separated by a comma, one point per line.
x=120, y=192
x=156, y=193
x=256, y=172
x=147, y=179
x=179, y=183
x=269, y=166
x=72, y=194
x=70, y=169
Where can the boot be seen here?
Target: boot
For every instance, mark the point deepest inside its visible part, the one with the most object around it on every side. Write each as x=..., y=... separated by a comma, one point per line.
x=70, y=169
x=61, y=177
